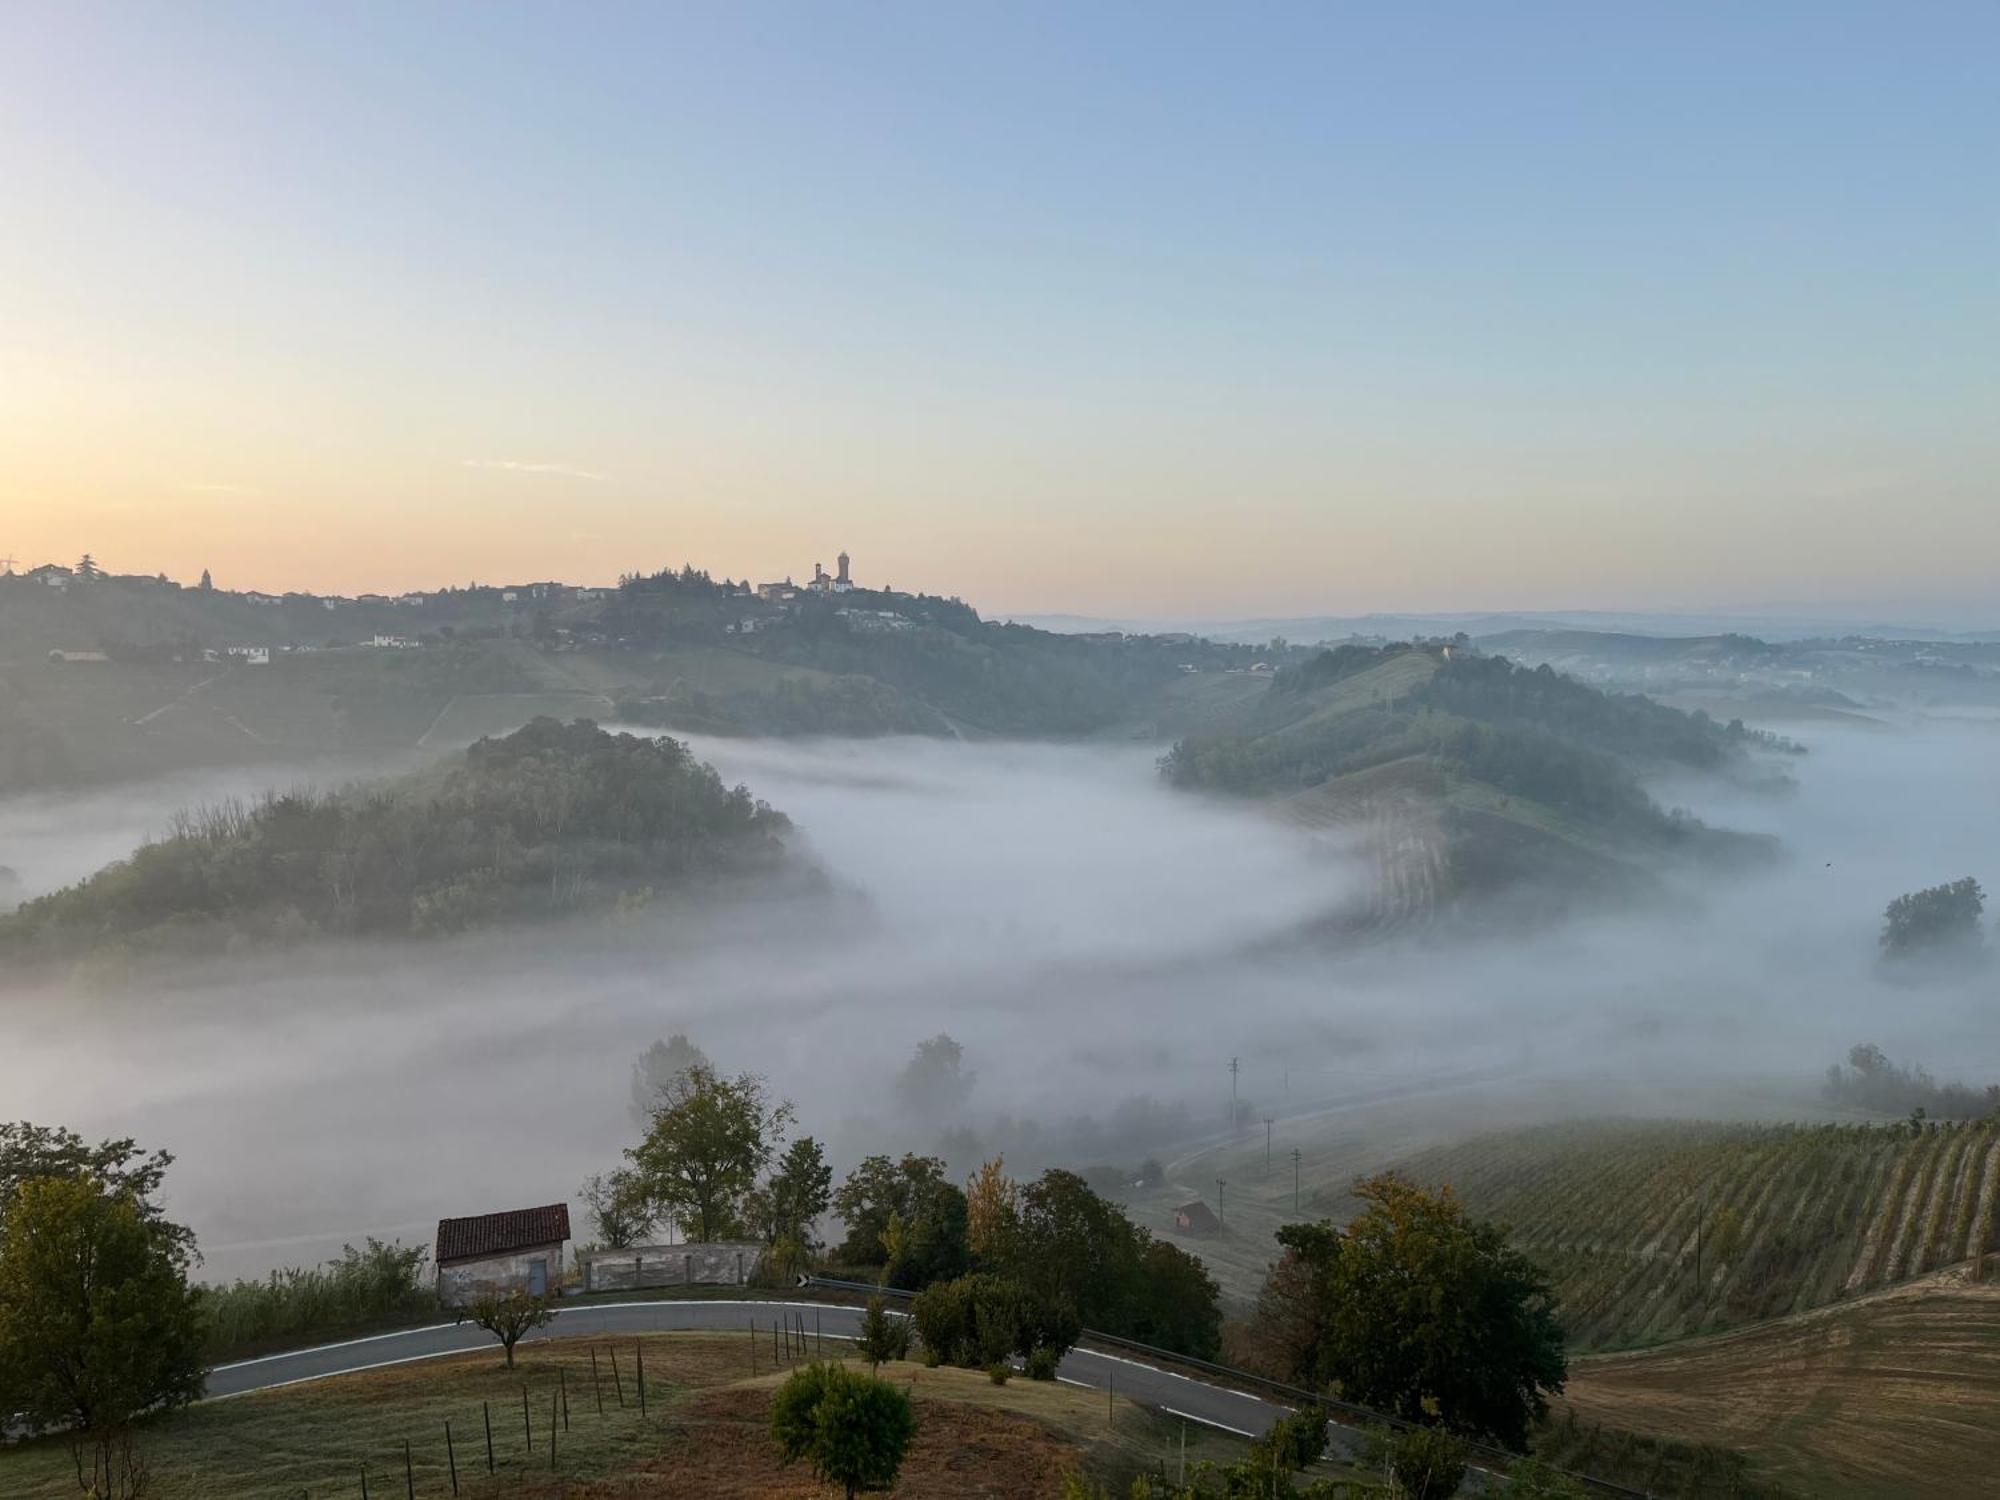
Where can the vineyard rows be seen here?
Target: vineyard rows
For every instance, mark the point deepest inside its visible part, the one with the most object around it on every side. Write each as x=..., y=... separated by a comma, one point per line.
x=1655, y=1230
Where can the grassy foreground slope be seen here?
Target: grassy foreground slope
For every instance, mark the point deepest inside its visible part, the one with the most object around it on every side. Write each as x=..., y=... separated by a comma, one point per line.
x=705, y=1431
x=1654, y=1230
x=1894, y=1394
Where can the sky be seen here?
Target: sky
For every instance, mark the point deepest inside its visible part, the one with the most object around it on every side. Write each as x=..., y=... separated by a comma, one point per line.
x=1122, y=309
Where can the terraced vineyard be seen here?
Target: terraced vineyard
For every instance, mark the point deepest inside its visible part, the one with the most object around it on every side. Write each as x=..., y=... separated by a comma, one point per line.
x=1655, y=1230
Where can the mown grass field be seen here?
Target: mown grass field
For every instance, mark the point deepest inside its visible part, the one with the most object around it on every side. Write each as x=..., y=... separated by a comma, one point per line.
x=1895, y=1394
x=705, y=1431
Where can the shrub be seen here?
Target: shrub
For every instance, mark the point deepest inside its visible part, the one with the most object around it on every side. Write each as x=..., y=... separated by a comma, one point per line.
x=882, y=1337
x=378, y=1284
x=1042, y=1362
x=852, y=1428
x=999, y=1372
x=1423, y=1463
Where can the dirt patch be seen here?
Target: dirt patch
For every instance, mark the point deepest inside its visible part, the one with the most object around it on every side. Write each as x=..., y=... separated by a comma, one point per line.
x=721, y=1449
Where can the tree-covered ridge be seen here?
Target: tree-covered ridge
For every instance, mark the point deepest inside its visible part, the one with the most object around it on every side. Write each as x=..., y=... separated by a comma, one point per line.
x=551, y=819
x=1531, y=734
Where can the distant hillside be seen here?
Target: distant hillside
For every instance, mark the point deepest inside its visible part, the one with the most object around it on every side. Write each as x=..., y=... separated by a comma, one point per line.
x=125, y=678
x=550, y=820
x=1465, y=774
x=1784, y=1218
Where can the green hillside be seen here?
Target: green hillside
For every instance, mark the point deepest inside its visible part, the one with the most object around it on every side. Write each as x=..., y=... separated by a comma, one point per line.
x=551, y=820
x=1656, y=1230
x=1459, y=775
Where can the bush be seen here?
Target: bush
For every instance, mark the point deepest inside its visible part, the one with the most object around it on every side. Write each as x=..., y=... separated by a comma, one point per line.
x=376, y=1285
x=852, y=1428
x=1423, y=1463
x=1531, y=1479
x=883, y=1338
x=999, y=1372
x=1042, y=1362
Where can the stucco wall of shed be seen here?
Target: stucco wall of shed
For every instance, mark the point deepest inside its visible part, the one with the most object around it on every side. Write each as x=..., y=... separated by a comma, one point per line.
x=462, y=1280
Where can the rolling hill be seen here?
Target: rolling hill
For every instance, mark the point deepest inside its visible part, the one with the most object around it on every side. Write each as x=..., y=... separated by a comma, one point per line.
x=124, y=678
x=1460, y=776
x=1893, y=1394
x=1657, y=1230
x=550, y=820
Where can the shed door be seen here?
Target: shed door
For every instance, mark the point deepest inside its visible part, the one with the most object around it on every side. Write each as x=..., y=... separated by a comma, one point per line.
x=538, y=1278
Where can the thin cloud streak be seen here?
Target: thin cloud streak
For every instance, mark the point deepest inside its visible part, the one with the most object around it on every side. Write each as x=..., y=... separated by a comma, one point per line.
x=516, y=466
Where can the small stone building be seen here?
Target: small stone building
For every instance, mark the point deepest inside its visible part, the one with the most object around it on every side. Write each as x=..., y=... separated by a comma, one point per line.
x=1196, y=1218
x=521, y=1249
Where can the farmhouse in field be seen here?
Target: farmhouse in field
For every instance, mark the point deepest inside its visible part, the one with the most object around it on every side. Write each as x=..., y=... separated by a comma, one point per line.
x=521, y=1249
x=1196, y=1218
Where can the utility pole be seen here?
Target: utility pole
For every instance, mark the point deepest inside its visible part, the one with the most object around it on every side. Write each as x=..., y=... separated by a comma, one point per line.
x=1295, y=1179
x=1268, y=1122
x=1221, y=1200
x=1232, y=1093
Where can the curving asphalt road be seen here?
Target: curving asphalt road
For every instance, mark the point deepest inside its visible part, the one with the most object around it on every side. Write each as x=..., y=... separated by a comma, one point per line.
x=1178, y=1394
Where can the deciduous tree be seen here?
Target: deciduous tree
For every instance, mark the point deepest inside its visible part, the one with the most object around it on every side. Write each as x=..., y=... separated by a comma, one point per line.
x=1421, y=1311
x=707, y=1144
x=97, y=1322
x=510, y=1316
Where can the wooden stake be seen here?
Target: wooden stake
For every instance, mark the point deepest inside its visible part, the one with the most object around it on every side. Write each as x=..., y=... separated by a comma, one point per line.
x=409, y=1478
x=595, y=1385
x=486, y=1410
x=639, y=1360
x=562, y=1384
x=552, y=1431
x=617, y=1379
x=527, y=1427
x=451, y=1455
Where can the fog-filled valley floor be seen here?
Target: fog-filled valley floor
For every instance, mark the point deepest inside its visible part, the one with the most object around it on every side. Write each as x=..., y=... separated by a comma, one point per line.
x=1092, y=937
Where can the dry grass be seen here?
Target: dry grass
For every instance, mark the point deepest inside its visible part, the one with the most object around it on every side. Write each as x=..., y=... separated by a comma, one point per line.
x=1895, y=1394
x=705, y=1431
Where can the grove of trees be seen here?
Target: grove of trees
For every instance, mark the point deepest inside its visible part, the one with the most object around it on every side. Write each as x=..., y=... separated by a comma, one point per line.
x=551, y=819
x=1940, y=920
x=1418, y=1310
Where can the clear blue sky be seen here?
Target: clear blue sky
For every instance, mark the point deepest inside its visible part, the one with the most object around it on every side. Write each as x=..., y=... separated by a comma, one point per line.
x=1111, y=308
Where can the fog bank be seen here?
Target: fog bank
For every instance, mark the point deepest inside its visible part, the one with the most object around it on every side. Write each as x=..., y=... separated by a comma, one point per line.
x=1087, y=935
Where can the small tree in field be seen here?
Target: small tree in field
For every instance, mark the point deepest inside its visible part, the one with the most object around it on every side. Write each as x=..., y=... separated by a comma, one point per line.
x=882, y=1337
x=510, y=1316
x=852, y=1428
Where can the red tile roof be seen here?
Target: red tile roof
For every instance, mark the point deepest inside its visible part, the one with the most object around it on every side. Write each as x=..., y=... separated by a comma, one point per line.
x=501, y=1234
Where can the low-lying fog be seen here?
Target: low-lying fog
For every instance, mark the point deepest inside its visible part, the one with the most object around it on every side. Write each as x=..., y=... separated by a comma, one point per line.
x=1086, y=934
